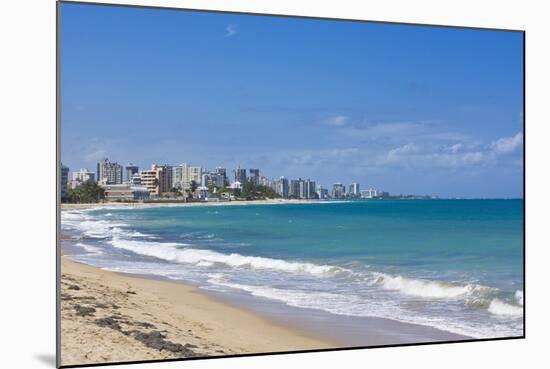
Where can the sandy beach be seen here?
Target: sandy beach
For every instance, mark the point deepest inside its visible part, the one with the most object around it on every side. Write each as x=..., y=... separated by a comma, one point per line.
x=110, y=317
x=66, y=206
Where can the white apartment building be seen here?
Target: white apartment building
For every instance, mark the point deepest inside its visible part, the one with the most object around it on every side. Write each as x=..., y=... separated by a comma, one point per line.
x=82, y=176
x=184, y=174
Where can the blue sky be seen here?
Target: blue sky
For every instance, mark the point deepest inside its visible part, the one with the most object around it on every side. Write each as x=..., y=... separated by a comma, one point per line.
x=406, y=109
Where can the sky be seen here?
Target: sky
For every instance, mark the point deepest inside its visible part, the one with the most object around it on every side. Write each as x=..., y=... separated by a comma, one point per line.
x=400, y=108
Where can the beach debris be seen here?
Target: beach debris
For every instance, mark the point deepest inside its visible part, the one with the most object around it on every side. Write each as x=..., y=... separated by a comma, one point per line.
x=84, y=310
x=156, y=340
x=109, y=322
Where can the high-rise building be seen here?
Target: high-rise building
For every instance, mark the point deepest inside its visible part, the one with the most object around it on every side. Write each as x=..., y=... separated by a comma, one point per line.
x=214, y=179
x=281, y=187
x=240, y=175
x=354, y=190
x=130, y=170
x=254, y=176
x=136, y=180
x=338, y=191
x=109, y=172
x=149, y=181
x=82, y=176
x=184, y=174
x=310, y=189
x=64, y=178
x=322, y=193
x=223, y=174
x=264, y=181
x=164, y=178
x=158, y=180
x=295, y=187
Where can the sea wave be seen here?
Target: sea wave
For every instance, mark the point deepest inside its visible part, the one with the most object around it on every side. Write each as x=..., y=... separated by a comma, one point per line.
x=374, y=297
x=499, y=307
x=429, y=288
x=519, y=297
x=92, y=250
x=359, y=306
x=182, y=253
x=92, y=227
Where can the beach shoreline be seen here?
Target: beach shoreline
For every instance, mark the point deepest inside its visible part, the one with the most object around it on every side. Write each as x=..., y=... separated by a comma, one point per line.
x=108, y=317
x=99, y=205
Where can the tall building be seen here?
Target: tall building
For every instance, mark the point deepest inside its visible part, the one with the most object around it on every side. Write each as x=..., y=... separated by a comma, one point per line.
x=310, y=189
x=223, y=174
x=109, y=172
x=254, y=176
x=322, y=193
x=82, y=176
x=281, y=187
x=264, y=181
x=64, y=178
x=158, y=180
x=164, y=178
x=240, y=175
x=215, y=179
x=136, y=180
x=294, y=189
x=130, y=170
x=149, y=180
x=354, y=190
x=184, y=174
x=338, y=191
x=178, y=172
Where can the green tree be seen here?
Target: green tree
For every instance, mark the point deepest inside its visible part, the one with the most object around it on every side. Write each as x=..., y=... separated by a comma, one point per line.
x=89, y=192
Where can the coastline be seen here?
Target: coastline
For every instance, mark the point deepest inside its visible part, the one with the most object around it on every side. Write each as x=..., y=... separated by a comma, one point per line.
x=108, y=317
x=329, y=329
x=67, y=206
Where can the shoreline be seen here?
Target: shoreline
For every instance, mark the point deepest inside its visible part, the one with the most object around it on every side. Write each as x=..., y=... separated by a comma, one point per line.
x=69, y=206
x=293, y=328
x=109, y=316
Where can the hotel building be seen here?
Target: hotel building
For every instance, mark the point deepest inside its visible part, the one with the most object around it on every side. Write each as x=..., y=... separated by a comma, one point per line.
x=240, y=175
x=149, y=181
x=109, y=172
x=254, y=176
x=354, y=190
x=338, y=191
x=82, y=176
x=184, y=174
x=130, y=170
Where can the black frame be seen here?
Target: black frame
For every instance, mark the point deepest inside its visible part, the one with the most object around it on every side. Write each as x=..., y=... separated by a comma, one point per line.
x=58, y=184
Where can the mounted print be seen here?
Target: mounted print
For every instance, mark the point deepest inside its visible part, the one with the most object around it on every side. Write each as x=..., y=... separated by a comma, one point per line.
x=244, y=184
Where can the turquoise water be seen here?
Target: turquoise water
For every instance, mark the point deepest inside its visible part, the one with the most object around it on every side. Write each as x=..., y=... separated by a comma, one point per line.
x=456, y=265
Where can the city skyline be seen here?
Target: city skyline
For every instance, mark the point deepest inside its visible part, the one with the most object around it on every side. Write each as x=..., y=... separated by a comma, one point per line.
x=392, y=106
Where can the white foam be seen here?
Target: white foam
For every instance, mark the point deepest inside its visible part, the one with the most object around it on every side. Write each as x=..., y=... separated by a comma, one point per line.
x=428, y=288
x=519, y=297
x=95, y=228
x=181, y=253
x=499, y=307
x=361, y=306
x=92, y=250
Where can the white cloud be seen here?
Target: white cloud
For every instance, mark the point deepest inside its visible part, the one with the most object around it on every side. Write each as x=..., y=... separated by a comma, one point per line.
x=403, y=131
x=456, y=147
x=338, y=120
x=230, y=30
x=507, y=145
x=95, y=155
x=433, y=157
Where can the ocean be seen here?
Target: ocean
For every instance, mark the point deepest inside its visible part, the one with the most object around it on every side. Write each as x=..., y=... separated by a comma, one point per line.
x=452, y=265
